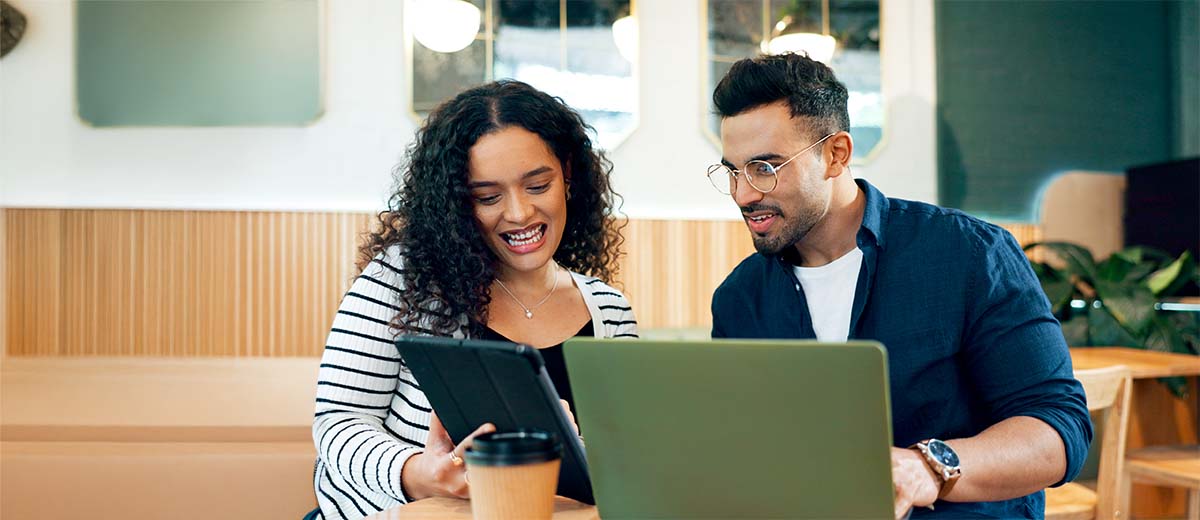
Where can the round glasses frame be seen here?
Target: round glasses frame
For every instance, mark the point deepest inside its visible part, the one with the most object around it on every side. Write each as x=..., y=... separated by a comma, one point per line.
x=761, y=175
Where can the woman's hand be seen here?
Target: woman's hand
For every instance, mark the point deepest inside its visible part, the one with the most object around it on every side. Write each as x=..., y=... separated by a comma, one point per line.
x=570, y=416
x=440, y=470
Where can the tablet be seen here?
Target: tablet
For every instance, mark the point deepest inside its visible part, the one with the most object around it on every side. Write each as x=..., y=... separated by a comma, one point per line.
x=472, y=382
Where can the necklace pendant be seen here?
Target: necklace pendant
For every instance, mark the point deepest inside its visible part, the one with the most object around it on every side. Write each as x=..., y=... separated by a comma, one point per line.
x=529, y=315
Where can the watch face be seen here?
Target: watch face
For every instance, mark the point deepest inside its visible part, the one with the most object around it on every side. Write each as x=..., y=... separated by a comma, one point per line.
x=943, y=453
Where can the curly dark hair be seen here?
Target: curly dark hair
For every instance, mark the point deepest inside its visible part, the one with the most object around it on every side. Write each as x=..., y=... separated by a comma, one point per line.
x=448, y=268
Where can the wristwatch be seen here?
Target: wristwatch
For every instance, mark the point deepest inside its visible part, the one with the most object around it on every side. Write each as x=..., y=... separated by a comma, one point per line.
x=942, y=459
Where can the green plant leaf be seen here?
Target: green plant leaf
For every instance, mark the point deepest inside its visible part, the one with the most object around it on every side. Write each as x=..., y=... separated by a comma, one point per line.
x=1187, y=325
x=1115, y=268
x=1177, y=385
x=1163, y=336
x=1059, y=293
x=1057, y=285
x=1189, y=270
x=1148, y=254
x=1105, y=331
x=1132, y=255
x=1143, y=254
x=1139, y=272
x=1044, y=271
x=1078, y=259
x=1165, y=277
x=1132, y=305
x=1075, y=330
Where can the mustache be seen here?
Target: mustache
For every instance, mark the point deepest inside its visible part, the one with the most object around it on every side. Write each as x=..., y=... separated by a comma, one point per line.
x=746, y=210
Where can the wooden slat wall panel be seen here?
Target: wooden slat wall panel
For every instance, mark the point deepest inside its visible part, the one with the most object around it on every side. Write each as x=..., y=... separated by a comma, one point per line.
x=3, y=281
x=1024, y=233
x=201, y=283
x=33, y=280
x=173, y=283
x=672, y=268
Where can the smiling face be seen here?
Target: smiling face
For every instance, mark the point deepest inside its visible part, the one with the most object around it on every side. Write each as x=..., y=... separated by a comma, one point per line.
x=518, y=193
x=802, y=196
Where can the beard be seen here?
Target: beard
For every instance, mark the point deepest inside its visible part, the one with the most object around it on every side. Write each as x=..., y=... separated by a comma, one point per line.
x=790, y=229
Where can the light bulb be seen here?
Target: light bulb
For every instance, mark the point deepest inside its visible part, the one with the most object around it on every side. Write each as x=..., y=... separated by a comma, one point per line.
x=444, y=25
x=625, y=35
x=819, y=47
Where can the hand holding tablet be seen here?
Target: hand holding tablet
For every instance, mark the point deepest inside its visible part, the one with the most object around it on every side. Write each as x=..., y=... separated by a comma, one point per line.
x=471, y=383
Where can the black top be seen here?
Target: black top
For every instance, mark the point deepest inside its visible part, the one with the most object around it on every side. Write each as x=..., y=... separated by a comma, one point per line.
x=556, y=364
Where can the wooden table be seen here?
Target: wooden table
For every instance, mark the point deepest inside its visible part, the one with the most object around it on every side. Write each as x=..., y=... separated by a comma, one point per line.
x=1156, y=417
x=441, y=508
x=1144, y=364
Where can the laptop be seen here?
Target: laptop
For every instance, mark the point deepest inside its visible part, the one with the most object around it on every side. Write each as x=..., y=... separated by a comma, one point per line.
x=734, y=428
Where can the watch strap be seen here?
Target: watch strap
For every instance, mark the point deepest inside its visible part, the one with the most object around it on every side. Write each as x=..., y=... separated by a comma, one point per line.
x=947, y=475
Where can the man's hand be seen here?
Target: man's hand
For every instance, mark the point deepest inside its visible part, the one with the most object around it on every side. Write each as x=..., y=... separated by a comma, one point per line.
x=440, y=470
x=915, y=482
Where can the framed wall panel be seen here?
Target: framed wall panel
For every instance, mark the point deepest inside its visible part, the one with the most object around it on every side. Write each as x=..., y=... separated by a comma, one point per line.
x=198, y=62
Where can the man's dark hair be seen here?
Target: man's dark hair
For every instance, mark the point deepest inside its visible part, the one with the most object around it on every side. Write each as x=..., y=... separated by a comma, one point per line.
x=808, y=86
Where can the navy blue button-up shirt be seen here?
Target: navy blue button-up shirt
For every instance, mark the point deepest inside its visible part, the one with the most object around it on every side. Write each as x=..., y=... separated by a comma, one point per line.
x=968, y=331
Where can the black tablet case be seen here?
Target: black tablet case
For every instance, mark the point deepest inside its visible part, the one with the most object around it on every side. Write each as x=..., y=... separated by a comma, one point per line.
x=472, y=382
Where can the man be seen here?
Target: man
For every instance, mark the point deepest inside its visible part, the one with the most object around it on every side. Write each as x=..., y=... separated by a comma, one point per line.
x=985, y=409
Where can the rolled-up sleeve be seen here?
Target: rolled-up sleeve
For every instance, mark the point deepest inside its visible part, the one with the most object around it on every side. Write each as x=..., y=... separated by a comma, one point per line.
x=1014, y=348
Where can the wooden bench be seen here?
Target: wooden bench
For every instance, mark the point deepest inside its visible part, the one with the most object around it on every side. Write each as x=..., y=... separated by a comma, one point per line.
x=156, y=438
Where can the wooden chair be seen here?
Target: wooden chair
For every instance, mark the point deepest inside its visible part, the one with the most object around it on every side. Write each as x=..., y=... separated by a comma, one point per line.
x=1177, y=466
x=1107, y=389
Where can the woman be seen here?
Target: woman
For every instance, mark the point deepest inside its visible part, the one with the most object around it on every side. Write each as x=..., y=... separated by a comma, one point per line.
x=500, y=230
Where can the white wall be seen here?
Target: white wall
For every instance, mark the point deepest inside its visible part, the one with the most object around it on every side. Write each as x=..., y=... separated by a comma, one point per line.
x=48, y=158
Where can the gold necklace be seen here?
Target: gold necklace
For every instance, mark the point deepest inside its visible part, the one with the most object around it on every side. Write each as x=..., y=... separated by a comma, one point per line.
x=529, y=310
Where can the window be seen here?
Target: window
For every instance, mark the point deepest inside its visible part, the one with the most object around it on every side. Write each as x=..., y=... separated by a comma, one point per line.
x=842, y=33
x=580, y=50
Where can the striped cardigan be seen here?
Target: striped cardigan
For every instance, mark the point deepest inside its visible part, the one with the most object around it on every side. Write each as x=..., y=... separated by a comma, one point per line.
x=371, y=415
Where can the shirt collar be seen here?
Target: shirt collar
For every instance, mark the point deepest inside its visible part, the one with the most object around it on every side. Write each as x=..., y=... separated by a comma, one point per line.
x=875, y=214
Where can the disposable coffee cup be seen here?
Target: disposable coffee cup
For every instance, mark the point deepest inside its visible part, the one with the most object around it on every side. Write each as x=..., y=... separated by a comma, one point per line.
x=513, y=474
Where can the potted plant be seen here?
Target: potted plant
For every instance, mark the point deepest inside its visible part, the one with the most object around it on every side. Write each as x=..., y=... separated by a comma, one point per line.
x=1116, y=302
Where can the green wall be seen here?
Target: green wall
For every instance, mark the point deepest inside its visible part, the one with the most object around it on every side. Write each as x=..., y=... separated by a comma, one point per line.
x=1184, y=47
x=1030, y=89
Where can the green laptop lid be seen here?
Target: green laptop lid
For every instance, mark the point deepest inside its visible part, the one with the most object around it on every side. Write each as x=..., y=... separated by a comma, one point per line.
x=734, y=429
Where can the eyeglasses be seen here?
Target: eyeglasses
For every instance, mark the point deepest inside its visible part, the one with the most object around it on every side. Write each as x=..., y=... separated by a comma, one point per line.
x=762, y=175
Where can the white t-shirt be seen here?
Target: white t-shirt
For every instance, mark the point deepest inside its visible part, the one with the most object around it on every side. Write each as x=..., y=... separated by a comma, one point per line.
x=829, y=290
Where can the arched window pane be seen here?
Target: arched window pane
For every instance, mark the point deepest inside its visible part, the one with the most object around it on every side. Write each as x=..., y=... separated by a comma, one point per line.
x=738, y=29
x=579, y=50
